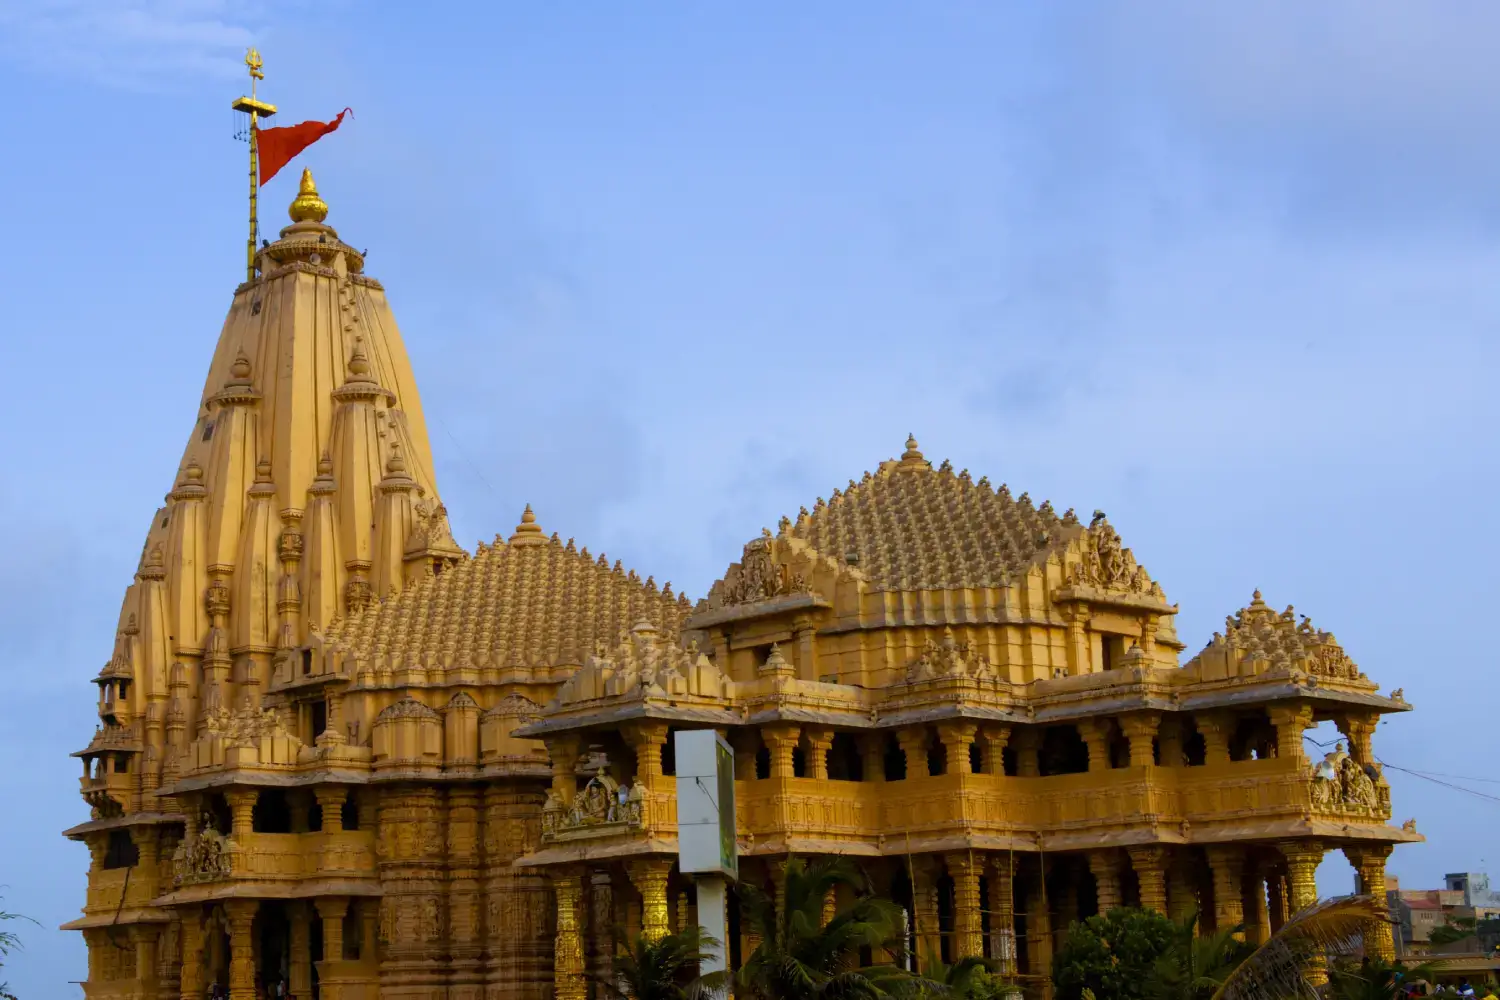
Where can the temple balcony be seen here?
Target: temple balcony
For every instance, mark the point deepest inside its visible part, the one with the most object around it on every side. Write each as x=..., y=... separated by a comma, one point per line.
x=211, y=857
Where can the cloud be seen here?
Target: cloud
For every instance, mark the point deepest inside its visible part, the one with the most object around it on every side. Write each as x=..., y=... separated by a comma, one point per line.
x=135, y=44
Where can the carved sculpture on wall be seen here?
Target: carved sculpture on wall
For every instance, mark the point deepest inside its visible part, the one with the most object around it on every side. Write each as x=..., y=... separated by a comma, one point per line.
x=602, y=802
x=1108, y=565
x=758, y=576
x=949, y=658
x=204, y=858
x=1340, y=782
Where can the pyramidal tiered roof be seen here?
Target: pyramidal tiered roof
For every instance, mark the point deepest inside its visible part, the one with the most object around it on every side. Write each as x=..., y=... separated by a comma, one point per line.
x=911, y=526
x=1261, y=639
x=532, y=601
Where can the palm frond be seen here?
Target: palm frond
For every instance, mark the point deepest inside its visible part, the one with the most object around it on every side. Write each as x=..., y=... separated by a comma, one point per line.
x=1277, y=968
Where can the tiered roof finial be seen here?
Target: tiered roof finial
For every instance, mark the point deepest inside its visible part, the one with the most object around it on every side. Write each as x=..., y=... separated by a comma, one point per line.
x=359, y=362
x=308, y=206
x=239, y=370
x=912, y=455
x=528, y=532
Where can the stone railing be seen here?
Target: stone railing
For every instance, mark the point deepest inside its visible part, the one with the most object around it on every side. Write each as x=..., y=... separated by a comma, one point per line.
x=275, y=857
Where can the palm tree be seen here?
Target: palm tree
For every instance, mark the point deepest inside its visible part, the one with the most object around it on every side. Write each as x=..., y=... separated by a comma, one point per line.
x=1335, y=927
x=663, y=969
x=1194, y=966
x=9, y=942
x=967, y=979
x=800, y=957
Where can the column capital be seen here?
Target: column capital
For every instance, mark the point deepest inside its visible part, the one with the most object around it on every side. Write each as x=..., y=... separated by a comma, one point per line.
x=241, y=912
x=332, y=907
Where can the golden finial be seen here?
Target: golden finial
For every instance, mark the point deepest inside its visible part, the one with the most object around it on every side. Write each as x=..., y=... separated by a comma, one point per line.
x=239, y=369
x=252, y=60
x=528, y=530
x=395, y=465
x=308, y=206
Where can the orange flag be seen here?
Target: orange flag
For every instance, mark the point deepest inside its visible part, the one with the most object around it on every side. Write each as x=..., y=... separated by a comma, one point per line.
x=277, y=146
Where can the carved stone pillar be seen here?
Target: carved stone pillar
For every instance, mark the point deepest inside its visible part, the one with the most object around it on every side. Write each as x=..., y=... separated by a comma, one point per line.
x=957, y=737
x=992, y=742
x=646, y=740
x=331, y=802
x=1291, y=721
x=1150, y=864
x=241, y=913
x=1359, y=727
x=1182, y=885
x=1080, y=657
x=568, y=976
x=241, y=809
x=410, y=862
x=650, y=878
x=819, y=740
x=1257, y=916
x=1002, y=913
x=1038, y=927
x=1228, y=866
x=563, y=752
x=1095, y=733
x=806, y=635
x=145, y=938
x=1216, y=728
x=1302, y=860
x=1169, y=742
x=1140, y=728
x=601, y=950
x=925, y=911
x=299, y=980
x=1028, y=752
x=190, y=983
x=331, y=910
x=1105, y=865
x=914, y=748
x=782, y=739
x=520, y=912
x=871, y=756
x=1369, y=865
x=968, y=931
x=1276, y=898
x=465, y=923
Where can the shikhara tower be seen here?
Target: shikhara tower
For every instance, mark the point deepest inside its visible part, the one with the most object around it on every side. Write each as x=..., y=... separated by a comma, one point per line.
x=335, y=748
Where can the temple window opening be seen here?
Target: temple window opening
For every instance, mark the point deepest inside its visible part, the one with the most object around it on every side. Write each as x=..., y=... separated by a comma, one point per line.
x=121, y=851
x=349, y=811
x=271, y=813
x=844, y=763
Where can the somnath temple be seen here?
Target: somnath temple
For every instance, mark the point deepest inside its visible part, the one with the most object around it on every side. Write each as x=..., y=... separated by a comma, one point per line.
x=338, y=750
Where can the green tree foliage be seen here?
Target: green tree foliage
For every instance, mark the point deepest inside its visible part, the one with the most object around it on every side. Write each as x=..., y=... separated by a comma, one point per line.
x=10, y=941
x=1454, y=929
x=1113, y=954
x=801, y=958
x=665, y=969
x=1194, y=967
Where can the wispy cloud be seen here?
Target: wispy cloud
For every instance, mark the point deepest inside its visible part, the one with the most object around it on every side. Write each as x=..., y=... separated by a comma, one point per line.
x=136, y=44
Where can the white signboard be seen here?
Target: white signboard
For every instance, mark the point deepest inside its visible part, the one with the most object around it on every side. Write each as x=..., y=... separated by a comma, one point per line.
x=706, y=840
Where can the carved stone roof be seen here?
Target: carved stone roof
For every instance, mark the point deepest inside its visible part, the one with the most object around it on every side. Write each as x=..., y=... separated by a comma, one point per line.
x=1256, y=639
x=910, y=526
x=532, y=601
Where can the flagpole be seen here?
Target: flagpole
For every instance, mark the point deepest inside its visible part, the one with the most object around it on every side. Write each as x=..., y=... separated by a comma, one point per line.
x=257, y=110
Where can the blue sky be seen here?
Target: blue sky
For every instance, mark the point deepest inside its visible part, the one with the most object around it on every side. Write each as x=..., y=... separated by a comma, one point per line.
x=668, y=271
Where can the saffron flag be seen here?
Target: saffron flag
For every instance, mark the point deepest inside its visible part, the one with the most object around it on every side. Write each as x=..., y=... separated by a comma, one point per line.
x=277, y=146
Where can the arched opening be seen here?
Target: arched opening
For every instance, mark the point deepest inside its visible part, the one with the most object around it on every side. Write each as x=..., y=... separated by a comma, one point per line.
x=216, y=813
x=349, y=811
x=946, y=921
x=901, y=895
x=1254, y=737
x=1194, y=749
x=763, y=762
x=273, y=937
x=976, y=759
x=799, y=762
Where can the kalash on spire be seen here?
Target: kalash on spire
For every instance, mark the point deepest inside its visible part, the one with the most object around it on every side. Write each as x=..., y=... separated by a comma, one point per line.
x=305, y=491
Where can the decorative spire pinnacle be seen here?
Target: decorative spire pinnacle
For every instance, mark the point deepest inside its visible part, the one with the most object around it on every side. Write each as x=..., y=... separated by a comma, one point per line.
x=911, y=458
x=325, y=464
x=308, y=206
x=193, y=474
x=395, y=465
x=528, y=532
x=359, y=363
x=263, y=471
